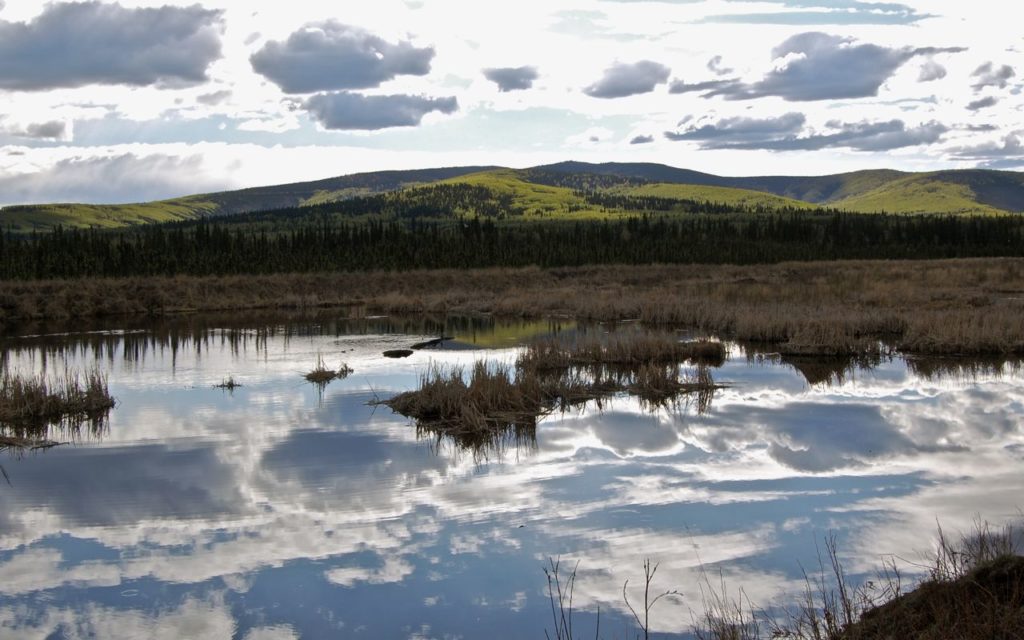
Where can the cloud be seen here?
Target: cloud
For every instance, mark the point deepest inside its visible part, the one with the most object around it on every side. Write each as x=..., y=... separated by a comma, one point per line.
x=82, y=43
x=642, y=140
x=123, y=178
x=983, y=103
x=819, y=66
x=816, y=12
x=352, y=111
x=736, y=130
x=214, y=98
x=808, y=18
x=329, y=56
x=931, y=71
x=621, y=80
x=679, y=86
x=782, y=134
x=51, y=130
x=715, y=66
x=1010, y=147
x=988, y=76
x=511, y=78
x=592, y=24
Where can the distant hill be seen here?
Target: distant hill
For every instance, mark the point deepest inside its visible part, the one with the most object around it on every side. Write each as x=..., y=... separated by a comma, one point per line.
x=953, y=191
x=28, y=217
x=552, y=190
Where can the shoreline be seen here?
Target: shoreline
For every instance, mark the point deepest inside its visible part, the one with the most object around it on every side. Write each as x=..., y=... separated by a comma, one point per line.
x=929, y=307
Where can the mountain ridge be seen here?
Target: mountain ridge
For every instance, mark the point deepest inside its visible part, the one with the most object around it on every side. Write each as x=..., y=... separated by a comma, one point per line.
x=968, y=191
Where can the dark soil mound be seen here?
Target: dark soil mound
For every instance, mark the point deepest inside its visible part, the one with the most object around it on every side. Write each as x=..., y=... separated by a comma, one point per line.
x=985, y=604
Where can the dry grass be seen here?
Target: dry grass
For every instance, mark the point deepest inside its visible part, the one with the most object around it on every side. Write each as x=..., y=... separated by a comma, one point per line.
x=970, y=306
x=492, y=395
x=491, y=407
x=619, y=350
x=662, y=385
x=321, y=375
x=40, y=400
x=974, y=590
x=495, y=401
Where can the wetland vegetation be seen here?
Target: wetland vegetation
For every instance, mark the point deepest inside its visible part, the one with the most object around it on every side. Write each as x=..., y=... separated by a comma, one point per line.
x=321, y=374
x=969, y=588
x=834, y=309
x=41, y=400
x=494, y=402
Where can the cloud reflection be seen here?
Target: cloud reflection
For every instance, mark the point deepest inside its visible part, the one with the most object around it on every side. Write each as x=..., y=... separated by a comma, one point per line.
x=196, y=490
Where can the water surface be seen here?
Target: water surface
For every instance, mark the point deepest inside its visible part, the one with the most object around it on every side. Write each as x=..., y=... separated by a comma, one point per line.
x=282, y=510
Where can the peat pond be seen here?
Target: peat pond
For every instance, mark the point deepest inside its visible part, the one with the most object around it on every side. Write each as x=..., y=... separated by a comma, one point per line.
x=281, y=509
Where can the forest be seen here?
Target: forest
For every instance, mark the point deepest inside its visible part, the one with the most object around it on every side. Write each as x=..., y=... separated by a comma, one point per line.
x=309, y=239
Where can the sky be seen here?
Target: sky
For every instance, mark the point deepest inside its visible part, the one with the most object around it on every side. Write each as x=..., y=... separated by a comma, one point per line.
x=144, y=99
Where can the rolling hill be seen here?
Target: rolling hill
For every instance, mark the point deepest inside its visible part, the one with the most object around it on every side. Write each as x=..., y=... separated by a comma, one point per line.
x=554, y=191
x=29, y=217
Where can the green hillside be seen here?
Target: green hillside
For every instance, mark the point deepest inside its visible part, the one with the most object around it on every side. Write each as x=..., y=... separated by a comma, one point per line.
x=816, y=189
x=46, y=216
x=535, y=200
x=107, y=216
x=919, y=194
x=724, y=195
x=967, y=191
x=566, y=190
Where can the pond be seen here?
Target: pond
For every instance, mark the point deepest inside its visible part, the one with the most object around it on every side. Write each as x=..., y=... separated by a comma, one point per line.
x=282, y=509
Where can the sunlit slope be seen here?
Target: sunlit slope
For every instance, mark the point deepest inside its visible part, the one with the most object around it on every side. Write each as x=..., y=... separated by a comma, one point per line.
x=815, y=189
x=106, y=216
x=549, y=201
x=920, y=194
x=966, y=191
x=565, y=190
x=47, y=216
x=534, y=200
x=722, y=195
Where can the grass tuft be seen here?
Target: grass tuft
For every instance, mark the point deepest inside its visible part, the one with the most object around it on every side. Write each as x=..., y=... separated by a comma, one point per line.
x=321, y=375
x=39, y=400
x=228, y=384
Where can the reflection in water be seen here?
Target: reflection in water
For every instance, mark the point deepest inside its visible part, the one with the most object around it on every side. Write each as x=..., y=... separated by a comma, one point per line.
x=818, y=370
x=207, y=332
x=964, y=369
x=494, y=404
x=34, y=408
x=265, y=513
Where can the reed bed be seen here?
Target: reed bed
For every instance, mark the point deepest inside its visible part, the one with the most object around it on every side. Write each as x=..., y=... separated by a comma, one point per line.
x=969, y=306
x=619, y=350
x=493, y=400
x=42, y=400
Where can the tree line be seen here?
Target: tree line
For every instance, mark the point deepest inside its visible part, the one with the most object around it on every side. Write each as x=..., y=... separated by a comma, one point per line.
x=308, y=242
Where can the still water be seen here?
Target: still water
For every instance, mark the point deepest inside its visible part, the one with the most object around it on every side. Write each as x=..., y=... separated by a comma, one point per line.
x=281, y=510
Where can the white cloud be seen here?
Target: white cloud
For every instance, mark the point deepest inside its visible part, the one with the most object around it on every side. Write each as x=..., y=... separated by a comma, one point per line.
x=890, y=72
